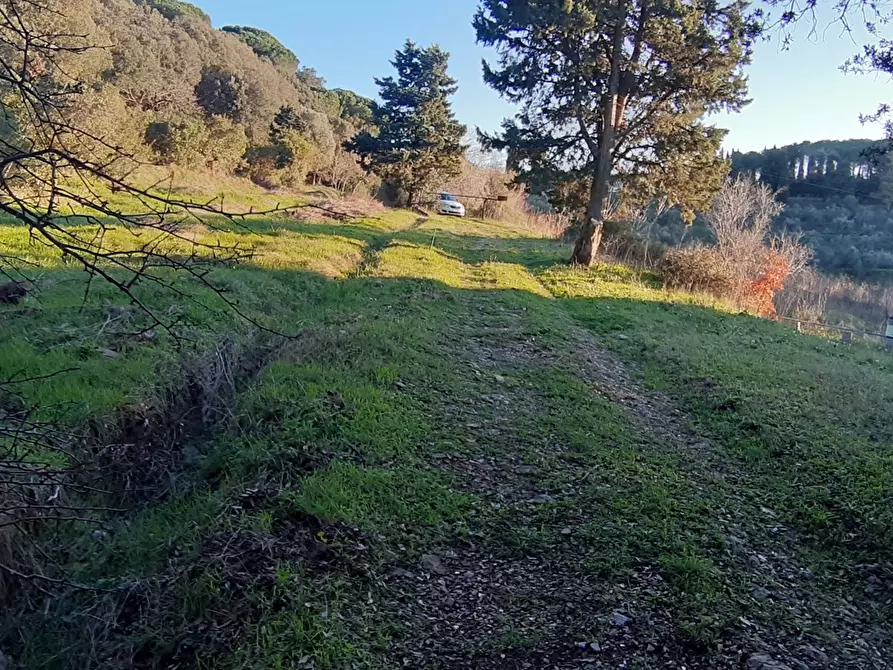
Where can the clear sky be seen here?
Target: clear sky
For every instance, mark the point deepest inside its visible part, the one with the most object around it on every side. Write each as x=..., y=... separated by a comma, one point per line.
x=798, y=94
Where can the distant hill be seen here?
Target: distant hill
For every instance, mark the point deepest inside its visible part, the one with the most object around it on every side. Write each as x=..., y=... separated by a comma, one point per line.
x=173, y=90
x=824, y=169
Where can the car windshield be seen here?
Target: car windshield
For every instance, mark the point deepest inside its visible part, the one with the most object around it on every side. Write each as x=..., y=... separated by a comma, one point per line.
x=447, y=196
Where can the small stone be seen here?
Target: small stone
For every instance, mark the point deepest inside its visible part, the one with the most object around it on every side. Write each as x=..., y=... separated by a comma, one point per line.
x=621, y=336
x=618, y=619
x=499, y=379
x=109, y=353
x=759, y=593
x=581, y=645
x=765, y=662
x=433, y=563
x=403, y=574
x=191, y=454
x=650, y=648
x=527, y=469
x=813, y=654
x=566, y=531
x=541, y=499
x=596, y=647
x=99, y=536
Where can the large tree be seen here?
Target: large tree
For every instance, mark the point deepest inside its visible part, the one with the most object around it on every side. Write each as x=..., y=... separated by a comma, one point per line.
x=418, y=140
x=613, y=93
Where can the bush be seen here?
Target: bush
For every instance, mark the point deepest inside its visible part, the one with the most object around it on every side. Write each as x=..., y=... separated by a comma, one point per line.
x=180, y=142
x=262, y=166
x=746, y=265
x=227, y=143
x=698, y=268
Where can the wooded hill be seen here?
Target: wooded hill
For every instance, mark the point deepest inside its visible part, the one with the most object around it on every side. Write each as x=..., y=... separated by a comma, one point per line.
x=838, y=194
x=825, y=169
x=172, y=89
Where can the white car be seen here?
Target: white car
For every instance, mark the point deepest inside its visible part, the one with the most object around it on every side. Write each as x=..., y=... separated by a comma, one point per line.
x=448, y=204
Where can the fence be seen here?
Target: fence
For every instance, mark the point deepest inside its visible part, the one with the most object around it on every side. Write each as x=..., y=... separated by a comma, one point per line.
x=846, y=334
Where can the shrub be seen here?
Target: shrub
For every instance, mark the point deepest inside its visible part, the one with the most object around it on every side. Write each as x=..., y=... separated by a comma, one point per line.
x=745, y=265
x=698, y=268
x=227, y=143
x=262, y=166
x=182, y=142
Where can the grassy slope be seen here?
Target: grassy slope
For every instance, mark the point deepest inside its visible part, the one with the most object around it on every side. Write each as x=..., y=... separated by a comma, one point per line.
x=472, y=457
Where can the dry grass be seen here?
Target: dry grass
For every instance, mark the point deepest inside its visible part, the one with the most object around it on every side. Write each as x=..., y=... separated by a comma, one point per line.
x=839, y=301
x=490, y=182
x=356, y=206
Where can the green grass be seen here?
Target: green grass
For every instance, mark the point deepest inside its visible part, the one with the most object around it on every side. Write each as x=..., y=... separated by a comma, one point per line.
x=377, y=498
x=433, y=359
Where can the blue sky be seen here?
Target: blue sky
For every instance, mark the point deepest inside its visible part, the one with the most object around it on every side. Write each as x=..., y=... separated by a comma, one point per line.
x=797, y=94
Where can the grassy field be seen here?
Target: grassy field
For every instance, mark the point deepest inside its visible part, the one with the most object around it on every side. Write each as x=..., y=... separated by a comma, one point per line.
x=468, y=455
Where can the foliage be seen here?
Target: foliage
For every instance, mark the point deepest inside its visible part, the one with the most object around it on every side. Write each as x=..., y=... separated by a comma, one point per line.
x=265, y=45
x=162, y=67
x=355, y=108
x=227, y=143
x=698, y=268
x=746, y=264
x=826, y=169
x=848, y=236
x=300, y=140
x=173, y=9
x=180, y=142
x=761, y=292
x=417, y=142
x=222, y=93
x=613, y=94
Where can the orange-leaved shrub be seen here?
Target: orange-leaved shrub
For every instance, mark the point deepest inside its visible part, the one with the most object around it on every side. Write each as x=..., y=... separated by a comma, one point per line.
x=746, y=265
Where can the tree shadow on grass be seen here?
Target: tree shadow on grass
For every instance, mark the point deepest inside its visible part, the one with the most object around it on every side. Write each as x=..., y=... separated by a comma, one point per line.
x=724, y=369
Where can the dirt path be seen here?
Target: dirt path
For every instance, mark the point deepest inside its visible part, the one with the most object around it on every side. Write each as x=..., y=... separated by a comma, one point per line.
x=526, y=589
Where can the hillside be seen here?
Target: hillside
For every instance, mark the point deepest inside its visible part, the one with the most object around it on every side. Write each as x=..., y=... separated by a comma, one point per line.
x=468, y=455
x=837, y=195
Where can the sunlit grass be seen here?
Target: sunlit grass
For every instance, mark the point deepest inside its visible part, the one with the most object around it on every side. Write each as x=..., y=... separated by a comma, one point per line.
x=422, y=339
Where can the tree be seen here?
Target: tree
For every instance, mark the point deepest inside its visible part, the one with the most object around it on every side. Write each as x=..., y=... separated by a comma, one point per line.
x=419, y=141
x=222, y=93
x=174, y=9
x=355, y=108
x=613, y=93
x=265, y=46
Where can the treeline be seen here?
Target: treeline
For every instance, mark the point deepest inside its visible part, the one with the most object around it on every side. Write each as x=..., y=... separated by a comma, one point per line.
x=825, y=169
x=172, y=89
x=837, y=194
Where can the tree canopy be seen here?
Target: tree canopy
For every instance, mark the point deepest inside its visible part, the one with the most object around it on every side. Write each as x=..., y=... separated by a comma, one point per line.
x=265, y=45
x=417, y=140
x=172, y=9
x=166, y=86
x=825, y=169
x=613, y=93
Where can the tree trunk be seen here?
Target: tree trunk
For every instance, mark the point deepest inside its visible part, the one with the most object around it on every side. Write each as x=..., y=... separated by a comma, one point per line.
x=588, y=242
x=590, y=237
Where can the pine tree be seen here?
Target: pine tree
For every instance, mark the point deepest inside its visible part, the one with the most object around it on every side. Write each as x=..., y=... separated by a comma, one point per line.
x=418, y=140
x=613, y=94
